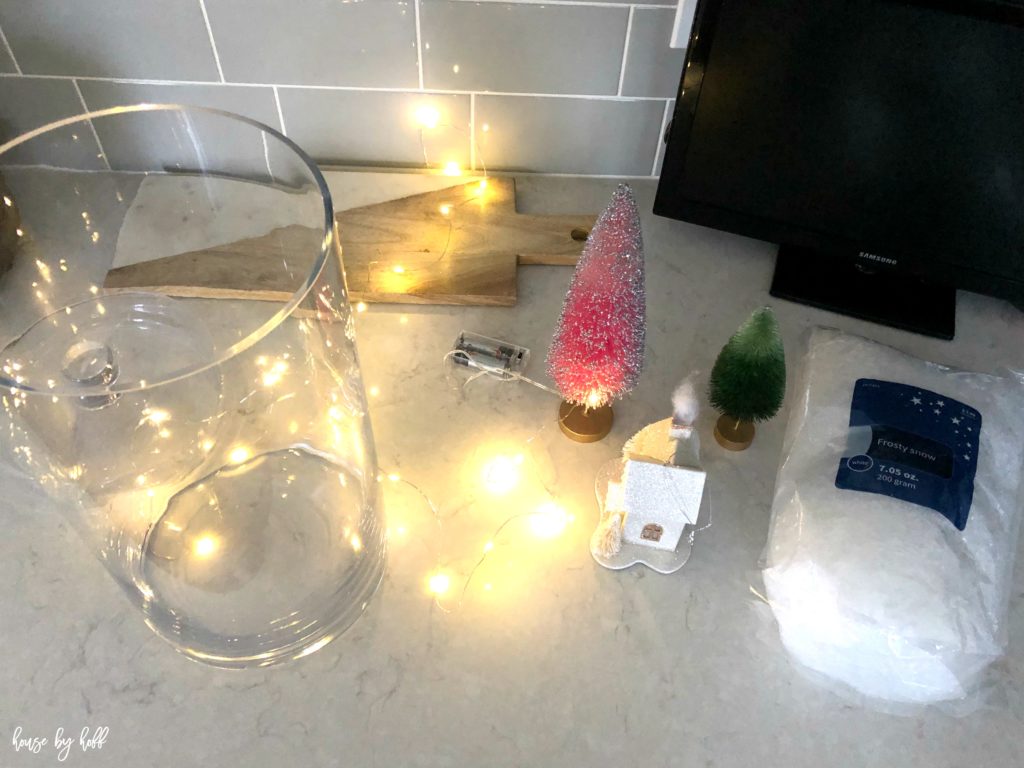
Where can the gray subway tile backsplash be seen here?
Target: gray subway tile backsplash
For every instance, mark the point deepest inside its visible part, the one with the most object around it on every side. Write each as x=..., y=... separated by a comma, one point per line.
x=568, y=135
x=652, y=68
x=255, y=102
x=559, y=86
x=522, y=47
x=6, y=62
x=317, y=42
x=168, y=141
x=146, y=39
x=27, y=103
x=376, y=128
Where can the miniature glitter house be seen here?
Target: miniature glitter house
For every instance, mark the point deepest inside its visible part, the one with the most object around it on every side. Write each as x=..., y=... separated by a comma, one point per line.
x=660, y=500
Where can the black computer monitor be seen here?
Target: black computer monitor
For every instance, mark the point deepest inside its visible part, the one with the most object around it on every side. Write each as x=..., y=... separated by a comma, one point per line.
x=880, y=143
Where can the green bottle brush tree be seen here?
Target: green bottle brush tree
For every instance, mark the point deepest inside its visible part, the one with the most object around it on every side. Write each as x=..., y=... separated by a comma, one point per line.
x=748, y=381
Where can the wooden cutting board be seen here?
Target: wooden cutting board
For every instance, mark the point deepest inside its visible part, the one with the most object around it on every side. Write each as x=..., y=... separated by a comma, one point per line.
x=459, y=245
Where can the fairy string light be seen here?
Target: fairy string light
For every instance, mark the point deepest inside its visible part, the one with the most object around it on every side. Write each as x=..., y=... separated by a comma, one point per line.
x=428, y=118
x=500, y=475
x=438, y=581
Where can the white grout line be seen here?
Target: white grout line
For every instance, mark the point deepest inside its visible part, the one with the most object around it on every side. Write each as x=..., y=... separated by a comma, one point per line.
x=96, y=136
x=10, y=51
x=408, y=89
x=472, y=131
x=213, y=44
x=625, y=51
x=280, y=112
x=661, y=135
x=419, y=43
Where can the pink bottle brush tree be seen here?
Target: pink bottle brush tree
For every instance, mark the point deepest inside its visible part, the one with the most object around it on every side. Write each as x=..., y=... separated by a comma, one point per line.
x=598, y=348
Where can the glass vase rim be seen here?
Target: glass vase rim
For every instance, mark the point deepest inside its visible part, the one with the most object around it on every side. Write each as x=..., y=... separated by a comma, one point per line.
x=263, y=329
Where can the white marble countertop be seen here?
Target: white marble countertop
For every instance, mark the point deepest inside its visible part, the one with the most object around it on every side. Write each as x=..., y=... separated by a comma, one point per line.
x=560, y=662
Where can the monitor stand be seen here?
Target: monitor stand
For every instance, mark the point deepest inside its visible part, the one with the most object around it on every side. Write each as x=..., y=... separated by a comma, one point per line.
x=859, y=288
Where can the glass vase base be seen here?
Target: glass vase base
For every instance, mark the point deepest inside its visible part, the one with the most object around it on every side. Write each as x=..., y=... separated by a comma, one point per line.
x=244, y=568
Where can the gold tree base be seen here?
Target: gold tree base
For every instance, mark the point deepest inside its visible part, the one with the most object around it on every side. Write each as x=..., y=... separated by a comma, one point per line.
x=734, y=435
x=584, y=425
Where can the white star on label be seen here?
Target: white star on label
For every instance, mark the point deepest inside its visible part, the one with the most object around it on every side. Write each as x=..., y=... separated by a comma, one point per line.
x=967, y=456
x=956, y=420
x=915, y=400
x=937, y=412
x=940, y=403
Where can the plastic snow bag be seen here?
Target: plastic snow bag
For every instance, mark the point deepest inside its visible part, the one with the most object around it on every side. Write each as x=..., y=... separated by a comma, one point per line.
x=894, y=524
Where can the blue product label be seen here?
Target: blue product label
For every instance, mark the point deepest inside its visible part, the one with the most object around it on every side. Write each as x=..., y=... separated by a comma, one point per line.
x=914, y=445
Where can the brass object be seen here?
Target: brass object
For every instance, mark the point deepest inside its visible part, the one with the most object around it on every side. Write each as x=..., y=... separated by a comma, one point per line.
x=732, y=434
x=582, y=424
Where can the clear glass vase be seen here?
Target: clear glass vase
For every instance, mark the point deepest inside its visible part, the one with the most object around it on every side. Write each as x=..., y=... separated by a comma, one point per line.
x=179, y=372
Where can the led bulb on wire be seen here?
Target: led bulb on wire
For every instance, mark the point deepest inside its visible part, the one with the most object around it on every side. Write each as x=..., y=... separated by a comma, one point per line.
x=205, y=546
x=239, y=454
x=439, y=583
x=501, y=474
x=428, y=117
x=549, y=520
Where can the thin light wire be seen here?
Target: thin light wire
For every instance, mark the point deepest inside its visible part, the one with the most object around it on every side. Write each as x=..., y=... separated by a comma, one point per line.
x=487, y=552
x=439, y=568
x=504, y=375
x=491, y=540
x=435, y=511
x=436, y=514
x=423, y=145
x=451, y=224
x=426, y=162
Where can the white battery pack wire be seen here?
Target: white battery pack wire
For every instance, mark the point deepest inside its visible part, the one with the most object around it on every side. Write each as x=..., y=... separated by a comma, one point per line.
x=482, y=356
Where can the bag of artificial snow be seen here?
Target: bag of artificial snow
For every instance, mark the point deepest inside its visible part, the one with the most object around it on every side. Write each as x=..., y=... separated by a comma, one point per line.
x=894, y=526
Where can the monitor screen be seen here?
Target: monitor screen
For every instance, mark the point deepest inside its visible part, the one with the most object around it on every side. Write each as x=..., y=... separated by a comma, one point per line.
x=889, y=128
